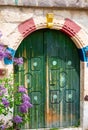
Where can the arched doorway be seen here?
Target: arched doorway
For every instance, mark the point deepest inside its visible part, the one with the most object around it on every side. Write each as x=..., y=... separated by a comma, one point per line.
x=51, y=73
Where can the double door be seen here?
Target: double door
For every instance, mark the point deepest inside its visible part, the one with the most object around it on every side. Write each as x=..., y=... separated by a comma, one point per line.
x=51, y=75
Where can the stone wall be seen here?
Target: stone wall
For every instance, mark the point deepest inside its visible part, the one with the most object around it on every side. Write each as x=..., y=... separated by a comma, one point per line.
x=12, y=16
x=47, y=3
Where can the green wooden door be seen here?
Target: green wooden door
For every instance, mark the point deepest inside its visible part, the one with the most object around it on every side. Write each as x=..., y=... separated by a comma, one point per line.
x=51, y=73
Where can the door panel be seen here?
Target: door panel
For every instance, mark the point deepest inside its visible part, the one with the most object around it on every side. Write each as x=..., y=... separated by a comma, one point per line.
x=36, y=69
x=51, y=75
x=64, y=79
x=37, y=92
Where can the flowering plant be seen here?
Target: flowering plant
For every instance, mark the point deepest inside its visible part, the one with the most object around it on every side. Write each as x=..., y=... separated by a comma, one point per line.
x=5, y=53
x=7, y=102
x=8, y=90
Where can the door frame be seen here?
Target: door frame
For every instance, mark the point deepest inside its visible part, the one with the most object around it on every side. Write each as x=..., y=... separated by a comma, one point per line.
x=80, y=39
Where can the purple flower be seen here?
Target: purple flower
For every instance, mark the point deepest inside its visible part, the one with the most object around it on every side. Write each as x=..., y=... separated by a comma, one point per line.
x=25, y=97
x=1, y=87
x=2, y=51
x=17, y=119
x=28, y=104
x=21, y=89
x=2, y=47
x=23, y=108
x=2, y=90
x=7, y=54
x=0, y=93
x=1, y=54
x=5, y=102
x=2, y=127
x=18, y=61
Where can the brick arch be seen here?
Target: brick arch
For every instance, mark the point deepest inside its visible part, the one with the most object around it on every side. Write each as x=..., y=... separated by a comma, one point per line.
x=71, y=28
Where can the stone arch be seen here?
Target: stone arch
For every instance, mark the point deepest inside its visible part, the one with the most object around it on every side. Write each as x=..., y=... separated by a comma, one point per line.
x=71, y=28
